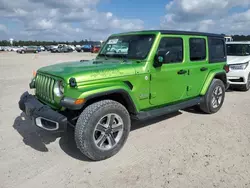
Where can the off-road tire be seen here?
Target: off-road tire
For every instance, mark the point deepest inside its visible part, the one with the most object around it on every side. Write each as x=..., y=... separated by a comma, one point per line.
x=206, y=103
x=86, y=124
x=246, y=87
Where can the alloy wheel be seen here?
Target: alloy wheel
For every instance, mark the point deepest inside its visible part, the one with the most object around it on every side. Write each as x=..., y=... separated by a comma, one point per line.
x=108, y=131
x=217, y=96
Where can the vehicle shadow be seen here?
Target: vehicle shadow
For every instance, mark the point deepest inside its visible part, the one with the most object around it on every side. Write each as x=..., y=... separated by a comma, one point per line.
x=234, y=89
x=68, y=145
x=37, y=138
x=230, y=89
x=32, y=135
x=194, y=110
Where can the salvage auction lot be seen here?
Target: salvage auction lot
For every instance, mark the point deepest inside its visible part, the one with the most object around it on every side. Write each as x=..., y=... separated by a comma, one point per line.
x=184, y=149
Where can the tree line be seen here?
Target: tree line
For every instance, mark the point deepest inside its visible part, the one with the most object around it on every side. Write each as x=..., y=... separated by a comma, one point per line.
x=84, y=42
x=47, y=43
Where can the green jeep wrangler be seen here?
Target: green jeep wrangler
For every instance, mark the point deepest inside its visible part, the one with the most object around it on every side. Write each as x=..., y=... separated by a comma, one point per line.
x=158, y=73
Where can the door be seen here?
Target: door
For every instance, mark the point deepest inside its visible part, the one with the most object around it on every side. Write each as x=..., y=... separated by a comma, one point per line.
x=28, y=49
x=198, y=65
x=169, y=82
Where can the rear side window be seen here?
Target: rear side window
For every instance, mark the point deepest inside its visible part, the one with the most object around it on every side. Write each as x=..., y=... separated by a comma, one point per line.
x=217, y=50
x=197, y=48
x=172, y=48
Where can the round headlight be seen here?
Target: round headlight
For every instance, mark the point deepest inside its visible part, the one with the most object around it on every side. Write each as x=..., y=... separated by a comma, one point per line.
x=59, y=89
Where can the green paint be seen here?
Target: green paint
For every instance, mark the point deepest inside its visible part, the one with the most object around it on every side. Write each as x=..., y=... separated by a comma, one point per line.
x=164, y=87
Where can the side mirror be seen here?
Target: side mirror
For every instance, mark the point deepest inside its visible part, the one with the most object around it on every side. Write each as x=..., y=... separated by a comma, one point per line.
x=159, y=58
x=158, y=61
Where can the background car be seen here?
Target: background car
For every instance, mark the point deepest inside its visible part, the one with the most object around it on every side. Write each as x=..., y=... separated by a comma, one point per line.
x=95, y=49
x=84, y=48
x=62, y=49
x=42, y=48
x=123, y=49
x=73, y=47
x=29, y=49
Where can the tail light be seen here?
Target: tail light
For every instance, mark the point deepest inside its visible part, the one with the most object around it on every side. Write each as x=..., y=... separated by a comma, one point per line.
x=226, y=68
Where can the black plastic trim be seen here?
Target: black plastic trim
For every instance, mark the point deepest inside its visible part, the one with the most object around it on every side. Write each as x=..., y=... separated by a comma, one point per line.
x=224, y=77
x=70, y=103
x=125, y=94
x=167, y=109
x=179, y=32
x=32, y=84
x=72, y=82
x=33, y=108
x=128, y=83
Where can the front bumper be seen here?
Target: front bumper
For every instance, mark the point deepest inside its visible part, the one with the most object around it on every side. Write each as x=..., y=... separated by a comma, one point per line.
x=237, y=77
x=42, y=115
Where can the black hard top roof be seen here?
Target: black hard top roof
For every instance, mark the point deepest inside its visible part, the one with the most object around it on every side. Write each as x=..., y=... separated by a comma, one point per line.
x=190, y=33
x=179, y=32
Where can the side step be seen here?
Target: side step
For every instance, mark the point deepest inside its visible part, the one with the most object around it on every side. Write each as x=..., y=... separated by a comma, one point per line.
x=167, y=109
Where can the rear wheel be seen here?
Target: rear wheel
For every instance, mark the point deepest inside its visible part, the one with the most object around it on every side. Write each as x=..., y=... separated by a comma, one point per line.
x=102, y=129
x=214, y=97
x=246, y=87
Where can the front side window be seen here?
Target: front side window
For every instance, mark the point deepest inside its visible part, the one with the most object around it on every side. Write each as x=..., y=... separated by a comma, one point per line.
x=128, y=46
x=197, y=48
x=238, y=49
x=172, y=48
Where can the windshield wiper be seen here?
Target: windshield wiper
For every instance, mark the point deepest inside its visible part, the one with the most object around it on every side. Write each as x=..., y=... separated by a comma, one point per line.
x=104, y=55
x=123, y=56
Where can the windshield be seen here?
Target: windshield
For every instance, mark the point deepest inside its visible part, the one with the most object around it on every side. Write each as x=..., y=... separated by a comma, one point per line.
x=128, y=46
x=238, y=49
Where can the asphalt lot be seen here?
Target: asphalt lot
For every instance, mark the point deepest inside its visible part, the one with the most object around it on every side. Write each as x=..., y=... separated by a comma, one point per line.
x=184, y=149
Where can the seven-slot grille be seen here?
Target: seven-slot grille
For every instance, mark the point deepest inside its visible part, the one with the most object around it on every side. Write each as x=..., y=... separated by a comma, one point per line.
x=44, y=87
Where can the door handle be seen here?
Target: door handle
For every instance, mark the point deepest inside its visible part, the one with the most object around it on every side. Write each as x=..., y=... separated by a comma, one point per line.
x=182, y=72
x=203, y=68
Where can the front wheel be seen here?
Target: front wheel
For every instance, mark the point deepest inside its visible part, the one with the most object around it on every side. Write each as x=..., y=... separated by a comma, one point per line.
x=214, y=97
x=102, y=129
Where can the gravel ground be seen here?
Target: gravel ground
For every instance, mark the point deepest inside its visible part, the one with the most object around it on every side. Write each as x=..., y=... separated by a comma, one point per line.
x=184, y=149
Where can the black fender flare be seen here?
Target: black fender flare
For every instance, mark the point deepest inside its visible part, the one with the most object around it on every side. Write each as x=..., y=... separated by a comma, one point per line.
x=126, y=97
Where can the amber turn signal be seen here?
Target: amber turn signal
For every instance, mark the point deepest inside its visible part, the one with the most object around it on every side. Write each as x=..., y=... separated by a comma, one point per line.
x=34, y=73
x=79, y=101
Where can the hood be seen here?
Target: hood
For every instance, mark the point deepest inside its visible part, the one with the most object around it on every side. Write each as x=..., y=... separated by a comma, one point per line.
x=88, y=70
x=237, y=59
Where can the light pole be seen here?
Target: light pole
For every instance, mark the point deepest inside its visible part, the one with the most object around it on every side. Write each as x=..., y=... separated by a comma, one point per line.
x=11, y=41
x=101, y=41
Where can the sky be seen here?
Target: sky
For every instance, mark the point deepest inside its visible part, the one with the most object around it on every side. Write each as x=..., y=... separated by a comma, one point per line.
x=68, y=20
